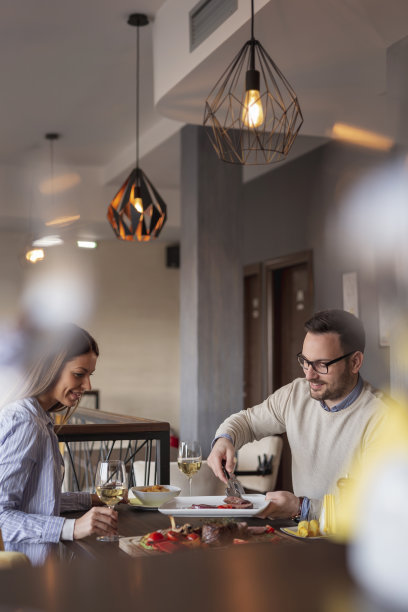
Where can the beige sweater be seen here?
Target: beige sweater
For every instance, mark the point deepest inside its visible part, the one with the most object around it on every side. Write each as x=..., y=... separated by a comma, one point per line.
x=322, y=443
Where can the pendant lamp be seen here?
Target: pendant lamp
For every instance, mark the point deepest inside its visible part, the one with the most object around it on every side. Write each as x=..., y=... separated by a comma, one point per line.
x=252, y=112
x=137, y=210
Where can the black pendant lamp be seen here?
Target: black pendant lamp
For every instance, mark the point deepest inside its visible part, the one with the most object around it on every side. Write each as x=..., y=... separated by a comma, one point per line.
x=253, y=112
x=137, y=211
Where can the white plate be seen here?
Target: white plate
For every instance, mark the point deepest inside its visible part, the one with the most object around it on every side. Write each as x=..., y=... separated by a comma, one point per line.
x=180, y=506
x=293, y=532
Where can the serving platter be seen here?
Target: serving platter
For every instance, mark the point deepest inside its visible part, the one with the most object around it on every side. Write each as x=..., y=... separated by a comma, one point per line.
x=181, y=506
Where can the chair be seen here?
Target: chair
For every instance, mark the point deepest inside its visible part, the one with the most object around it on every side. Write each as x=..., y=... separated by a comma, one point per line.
x=255, y=457
x=11, y=559
x=204, y=482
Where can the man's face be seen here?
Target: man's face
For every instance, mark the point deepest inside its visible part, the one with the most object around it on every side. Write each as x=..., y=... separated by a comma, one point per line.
x=341, y=377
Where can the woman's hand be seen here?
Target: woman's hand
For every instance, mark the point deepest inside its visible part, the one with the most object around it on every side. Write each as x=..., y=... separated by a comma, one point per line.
x=97, y=521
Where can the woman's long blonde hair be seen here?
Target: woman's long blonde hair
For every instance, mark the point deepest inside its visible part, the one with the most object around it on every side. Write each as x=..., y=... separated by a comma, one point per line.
x=51, y=352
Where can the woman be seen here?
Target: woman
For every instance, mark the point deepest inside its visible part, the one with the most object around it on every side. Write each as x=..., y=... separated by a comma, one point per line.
x=31, y=466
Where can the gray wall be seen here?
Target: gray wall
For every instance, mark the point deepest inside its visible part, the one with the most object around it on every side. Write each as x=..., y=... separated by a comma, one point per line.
x=299, y=206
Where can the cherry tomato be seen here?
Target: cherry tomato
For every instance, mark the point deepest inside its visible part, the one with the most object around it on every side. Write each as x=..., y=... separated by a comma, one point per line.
x=193, y=536
x=270, y=529
x=155, y=536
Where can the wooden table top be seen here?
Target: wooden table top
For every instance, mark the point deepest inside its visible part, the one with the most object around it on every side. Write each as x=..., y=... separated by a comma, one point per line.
x=311, y=576
x=134, y=522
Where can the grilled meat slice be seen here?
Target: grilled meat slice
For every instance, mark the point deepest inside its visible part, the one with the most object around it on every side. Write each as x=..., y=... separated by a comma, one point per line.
x=217, y=533
x=238, y=502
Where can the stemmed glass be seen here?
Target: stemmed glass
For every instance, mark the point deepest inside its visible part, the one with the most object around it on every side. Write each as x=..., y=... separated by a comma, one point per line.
x=189, y=459
x=110, y=484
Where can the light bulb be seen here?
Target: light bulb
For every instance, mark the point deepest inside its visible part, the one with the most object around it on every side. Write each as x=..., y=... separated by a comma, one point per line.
x=34, y=255
x=138, y=204
x=252, y=113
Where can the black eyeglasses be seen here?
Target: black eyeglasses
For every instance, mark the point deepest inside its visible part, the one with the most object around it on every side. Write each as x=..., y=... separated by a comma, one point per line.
x=321, y=367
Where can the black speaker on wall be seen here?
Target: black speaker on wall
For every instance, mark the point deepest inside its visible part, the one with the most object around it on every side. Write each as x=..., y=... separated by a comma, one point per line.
x=173, y=256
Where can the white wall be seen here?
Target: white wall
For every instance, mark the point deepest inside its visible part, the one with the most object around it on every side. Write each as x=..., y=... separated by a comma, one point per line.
x=126, y=297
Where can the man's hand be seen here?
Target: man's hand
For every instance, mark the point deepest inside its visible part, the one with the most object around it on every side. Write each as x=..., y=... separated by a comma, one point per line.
x=222, y=449
x=282, y=504
x=98, y=521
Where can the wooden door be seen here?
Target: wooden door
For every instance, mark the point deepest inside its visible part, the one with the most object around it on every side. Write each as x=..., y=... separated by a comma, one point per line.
x=289, y=304
x=278, y=300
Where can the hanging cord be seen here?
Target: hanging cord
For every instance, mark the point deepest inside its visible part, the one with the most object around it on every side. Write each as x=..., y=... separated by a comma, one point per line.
x=52, y=171
x=252, y=56
x=137, y=96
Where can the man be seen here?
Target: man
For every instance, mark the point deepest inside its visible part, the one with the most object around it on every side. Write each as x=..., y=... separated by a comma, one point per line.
x=330, y=416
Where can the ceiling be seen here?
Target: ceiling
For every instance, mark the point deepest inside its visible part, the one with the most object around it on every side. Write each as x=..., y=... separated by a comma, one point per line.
x=69, y=67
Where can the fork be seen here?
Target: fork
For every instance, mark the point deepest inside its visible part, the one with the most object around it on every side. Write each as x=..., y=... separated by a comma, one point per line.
x=234, y=487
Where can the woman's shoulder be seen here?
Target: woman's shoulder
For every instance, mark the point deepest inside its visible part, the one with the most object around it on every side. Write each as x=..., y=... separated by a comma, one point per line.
x=21, y=411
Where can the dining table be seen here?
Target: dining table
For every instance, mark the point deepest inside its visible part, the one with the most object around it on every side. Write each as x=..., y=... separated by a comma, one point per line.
x=135, y=520
x=290, y=575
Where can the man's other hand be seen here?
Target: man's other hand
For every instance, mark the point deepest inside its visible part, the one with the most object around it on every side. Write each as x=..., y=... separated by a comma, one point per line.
x=222, y=449
x=282, y=504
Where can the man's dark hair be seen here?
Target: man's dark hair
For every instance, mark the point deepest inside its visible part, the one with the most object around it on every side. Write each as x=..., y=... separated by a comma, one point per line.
x=349, y=328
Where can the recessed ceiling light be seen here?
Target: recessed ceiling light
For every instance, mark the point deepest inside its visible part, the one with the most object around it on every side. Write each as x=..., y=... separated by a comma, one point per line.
x=34, y=255
x=61, y=221
x=363, y=138
x=47, y=241
x=87, y=244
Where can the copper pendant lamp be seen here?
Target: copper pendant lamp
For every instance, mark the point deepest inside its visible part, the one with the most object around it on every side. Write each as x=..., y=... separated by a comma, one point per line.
x=252, y=112
x=137, y=211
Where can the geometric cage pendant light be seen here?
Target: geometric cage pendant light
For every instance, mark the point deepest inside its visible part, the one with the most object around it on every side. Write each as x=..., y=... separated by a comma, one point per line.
x=137, y=211
x=252, y=112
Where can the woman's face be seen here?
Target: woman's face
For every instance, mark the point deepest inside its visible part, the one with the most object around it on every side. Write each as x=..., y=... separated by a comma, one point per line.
x=73, y=381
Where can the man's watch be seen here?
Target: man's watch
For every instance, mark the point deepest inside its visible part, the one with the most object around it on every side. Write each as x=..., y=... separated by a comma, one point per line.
x=299, y=512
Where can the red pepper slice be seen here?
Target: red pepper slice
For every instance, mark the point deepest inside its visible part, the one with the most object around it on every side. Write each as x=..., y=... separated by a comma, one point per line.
x=224, y=506
x=270, y=529
x=168, y=547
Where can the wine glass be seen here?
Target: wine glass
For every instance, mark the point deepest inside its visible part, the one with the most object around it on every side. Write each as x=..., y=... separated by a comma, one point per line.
x=110, y=484
x=189, y=459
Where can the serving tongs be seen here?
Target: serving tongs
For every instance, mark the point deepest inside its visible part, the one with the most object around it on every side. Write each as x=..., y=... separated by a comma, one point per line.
x=234, y=487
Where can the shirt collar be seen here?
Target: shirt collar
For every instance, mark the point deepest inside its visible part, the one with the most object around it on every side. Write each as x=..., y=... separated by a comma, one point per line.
x=351, y=397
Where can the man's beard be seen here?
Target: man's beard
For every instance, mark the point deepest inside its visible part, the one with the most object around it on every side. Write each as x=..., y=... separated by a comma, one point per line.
x=333, y=391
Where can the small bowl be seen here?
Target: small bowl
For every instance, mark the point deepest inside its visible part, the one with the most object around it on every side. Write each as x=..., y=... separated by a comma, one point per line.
x=155, y=498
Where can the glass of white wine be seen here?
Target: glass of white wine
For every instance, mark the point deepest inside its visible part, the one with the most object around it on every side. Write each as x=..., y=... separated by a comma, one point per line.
x=189, y=459
x=110, y=484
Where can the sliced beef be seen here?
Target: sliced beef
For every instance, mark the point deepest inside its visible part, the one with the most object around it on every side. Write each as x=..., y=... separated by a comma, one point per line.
x=219, y=533
x=238, y=502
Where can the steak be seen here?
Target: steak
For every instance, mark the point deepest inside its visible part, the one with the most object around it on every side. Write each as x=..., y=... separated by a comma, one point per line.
x=238, y=503
x=219, y=533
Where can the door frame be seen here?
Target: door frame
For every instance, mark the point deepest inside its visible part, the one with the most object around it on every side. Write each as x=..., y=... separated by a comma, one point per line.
x=269, y=266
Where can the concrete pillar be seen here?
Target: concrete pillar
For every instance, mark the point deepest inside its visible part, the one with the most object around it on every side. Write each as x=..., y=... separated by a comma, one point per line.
x=211, y=285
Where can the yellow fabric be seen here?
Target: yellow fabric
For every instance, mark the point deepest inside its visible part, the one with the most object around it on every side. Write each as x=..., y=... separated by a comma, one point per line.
x=11, y=559
x=392, y=440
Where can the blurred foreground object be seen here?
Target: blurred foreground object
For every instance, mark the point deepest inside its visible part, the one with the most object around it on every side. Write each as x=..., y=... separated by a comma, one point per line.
x=371, y=514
